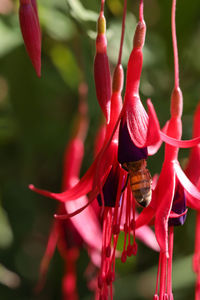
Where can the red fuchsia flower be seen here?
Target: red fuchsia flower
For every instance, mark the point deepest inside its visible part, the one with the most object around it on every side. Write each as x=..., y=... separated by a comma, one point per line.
x=137, y=131
x=69, y=235
x=168, y=203
x=104, y=160
x=119, y=212
x=30, y=28
x=192, y=171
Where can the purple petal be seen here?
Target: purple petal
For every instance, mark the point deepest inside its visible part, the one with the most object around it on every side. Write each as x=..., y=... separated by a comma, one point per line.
x=127, y=151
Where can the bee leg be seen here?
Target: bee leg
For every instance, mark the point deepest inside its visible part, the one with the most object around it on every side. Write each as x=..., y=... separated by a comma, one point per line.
x=125, y=185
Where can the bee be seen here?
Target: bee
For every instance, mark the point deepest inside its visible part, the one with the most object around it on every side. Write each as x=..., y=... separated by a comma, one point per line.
x=140, y=181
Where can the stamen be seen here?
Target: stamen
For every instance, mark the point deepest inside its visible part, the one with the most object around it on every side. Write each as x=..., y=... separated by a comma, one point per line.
x=158, y=274
x=162, y=276
x=169, y=269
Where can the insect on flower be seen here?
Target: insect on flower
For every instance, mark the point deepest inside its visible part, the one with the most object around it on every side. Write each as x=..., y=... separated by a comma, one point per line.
x=124, y=153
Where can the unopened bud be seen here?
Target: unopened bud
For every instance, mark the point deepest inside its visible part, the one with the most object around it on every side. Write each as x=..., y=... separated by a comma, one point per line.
x=118, y=79
x=176, y=102
x=140, y=34
x=101, y=24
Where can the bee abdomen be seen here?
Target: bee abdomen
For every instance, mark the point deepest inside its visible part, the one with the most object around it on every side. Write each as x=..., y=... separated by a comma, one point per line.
x=141, y=187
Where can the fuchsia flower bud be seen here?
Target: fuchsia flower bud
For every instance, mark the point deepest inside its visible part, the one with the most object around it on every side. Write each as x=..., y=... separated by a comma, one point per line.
x=101, y=69
x=30, y=29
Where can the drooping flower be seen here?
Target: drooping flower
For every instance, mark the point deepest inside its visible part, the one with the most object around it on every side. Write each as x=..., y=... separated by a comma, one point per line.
x=107, y=181
x=30, y=28
x=168, y=203
x=192, y=171
x=69, y=235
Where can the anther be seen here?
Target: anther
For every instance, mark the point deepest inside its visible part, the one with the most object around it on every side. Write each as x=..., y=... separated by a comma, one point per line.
x=108, y=251
x=129, y=250
x=100, y=282
x=116, y=229
x=134, y=248
x=132, y=224
x=102, y=297
x=110, y=278
x=125, y=228
x=123, y=257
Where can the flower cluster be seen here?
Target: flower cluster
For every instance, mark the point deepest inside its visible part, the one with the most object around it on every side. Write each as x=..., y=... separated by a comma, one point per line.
x=118, y=179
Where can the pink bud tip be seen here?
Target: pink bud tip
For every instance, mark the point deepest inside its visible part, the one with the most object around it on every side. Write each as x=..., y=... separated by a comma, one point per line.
x=31, y=186
x=139, y=36
x=176, y=102
x=118, y=79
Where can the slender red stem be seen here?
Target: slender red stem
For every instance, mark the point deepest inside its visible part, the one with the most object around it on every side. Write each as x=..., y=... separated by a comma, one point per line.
x=175, y=48
x=122, y=33
x=141, y=14
x=102, y=6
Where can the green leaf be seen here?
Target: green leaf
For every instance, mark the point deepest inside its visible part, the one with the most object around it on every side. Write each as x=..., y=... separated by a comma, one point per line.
x=6, y=236
x=56, y=23
x=10, y=38
x=78, y=11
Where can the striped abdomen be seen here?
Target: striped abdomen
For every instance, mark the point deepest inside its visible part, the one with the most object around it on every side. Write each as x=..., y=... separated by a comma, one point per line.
x=140, y=181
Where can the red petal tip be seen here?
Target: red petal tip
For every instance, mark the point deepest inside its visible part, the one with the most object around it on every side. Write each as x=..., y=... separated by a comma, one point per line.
x=31, y=187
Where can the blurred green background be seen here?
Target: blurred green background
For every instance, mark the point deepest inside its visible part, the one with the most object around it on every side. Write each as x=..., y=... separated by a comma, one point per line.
x=36, y=117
